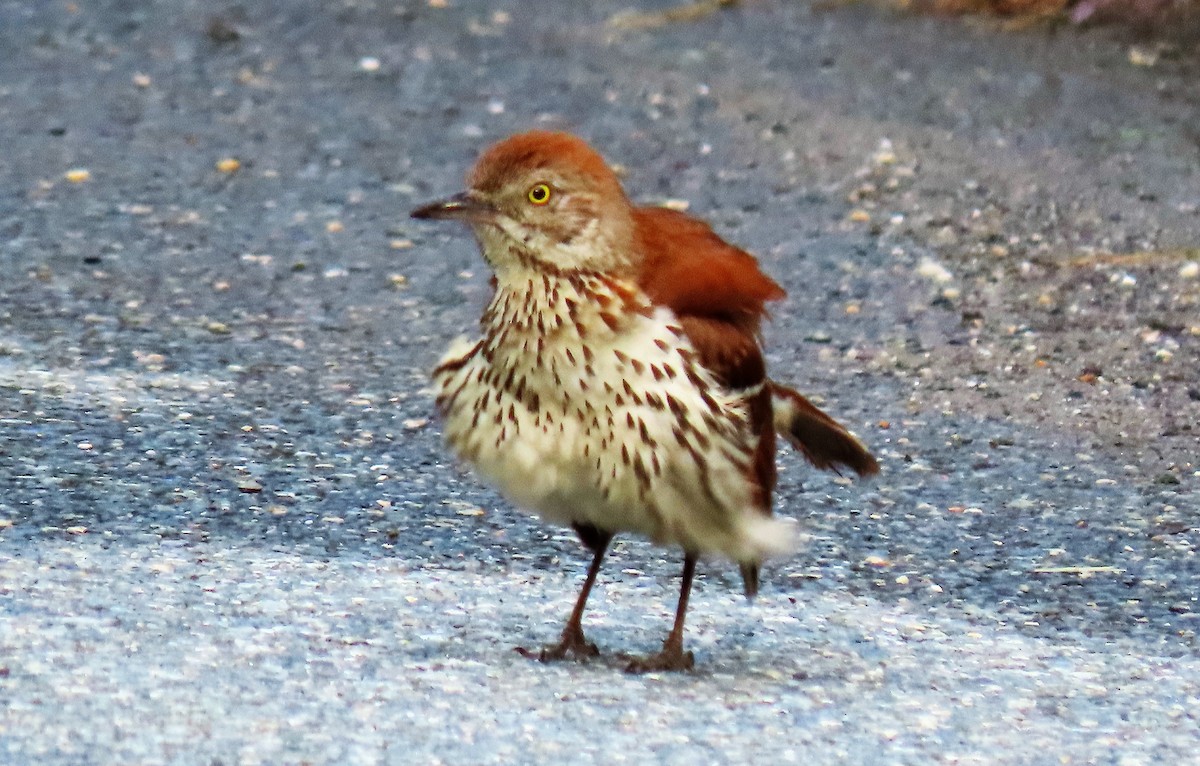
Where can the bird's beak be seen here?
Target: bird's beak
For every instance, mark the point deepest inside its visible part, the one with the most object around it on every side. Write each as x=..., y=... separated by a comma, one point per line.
x=460, y=207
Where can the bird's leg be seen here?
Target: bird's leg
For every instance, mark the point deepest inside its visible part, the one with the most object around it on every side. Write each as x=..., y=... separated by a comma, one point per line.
x=672, y=656
x=572, y=642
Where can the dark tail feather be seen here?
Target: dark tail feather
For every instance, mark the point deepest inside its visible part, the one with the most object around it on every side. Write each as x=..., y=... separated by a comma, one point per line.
x=750, y=579
x=820, y=438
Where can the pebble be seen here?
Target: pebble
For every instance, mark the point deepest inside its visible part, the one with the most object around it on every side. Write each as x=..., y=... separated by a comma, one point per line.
x=934, y=271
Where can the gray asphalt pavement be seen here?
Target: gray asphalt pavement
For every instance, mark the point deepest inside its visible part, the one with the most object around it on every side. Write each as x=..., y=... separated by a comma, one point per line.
x=229, y=532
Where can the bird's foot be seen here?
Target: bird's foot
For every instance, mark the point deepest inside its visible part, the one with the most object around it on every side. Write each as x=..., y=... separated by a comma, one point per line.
x=572, y=645
x=672, y=659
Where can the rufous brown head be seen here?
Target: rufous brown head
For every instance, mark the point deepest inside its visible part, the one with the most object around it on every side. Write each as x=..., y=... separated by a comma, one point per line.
x=543, y=200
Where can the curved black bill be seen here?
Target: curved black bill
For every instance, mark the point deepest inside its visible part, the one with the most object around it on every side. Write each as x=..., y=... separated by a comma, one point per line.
x=459, y=207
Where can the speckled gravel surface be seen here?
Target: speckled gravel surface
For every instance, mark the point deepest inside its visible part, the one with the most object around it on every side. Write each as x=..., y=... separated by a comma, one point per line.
x=229, y=533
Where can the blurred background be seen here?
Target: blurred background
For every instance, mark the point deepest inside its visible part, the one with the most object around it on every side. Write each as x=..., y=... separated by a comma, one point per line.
x=229, y=531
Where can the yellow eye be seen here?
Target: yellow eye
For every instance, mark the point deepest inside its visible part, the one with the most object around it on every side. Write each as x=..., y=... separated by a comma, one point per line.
x=540, y=194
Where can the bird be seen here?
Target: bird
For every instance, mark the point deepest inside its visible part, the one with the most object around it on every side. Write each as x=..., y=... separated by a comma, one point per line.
x=618, y=383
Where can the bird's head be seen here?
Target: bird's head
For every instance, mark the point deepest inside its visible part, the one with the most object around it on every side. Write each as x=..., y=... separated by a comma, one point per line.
x=544, y=201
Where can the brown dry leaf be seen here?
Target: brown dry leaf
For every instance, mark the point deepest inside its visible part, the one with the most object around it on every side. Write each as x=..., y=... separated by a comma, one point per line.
x=680, y=13
x=1140, y=258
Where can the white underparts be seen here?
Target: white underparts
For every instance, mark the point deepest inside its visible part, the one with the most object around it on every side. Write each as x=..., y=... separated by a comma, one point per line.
x=585, y=404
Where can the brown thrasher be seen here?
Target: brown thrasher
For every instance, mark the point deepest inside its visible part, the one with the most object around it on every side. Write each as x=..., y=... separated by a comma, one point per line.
x=620, y=383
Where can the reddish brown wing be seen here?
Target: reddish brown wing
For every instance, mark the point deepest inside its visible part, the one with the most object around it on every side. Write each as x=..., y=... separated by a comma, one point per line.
x=687, y=267
x=718, y=293
x=733, y=355
x=715, y=289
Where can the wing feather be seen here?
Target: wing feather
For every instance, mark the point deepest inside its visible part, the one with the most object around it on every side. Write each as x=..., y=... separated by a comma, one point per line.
x=719, y=295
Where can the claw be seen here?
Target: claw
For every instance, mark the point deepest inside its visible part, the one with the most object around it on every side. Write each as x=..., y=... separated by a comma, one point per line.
x=572, y=644
x=670, y=659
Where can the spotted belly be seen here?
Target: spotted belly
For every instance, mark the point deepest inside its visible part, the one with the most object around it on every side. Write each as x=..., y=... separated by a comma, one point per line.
x=624, y=432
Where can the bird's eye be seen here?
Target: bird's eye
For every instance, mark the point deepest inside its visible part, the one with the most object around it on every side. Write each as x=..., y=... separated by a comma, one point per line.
x=540, y=194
